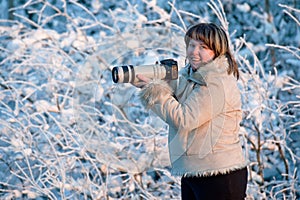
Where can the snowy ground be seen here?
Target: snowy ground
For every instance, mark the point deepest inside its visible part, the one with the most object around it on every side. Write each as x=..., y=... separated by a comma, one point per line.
x=69, y=132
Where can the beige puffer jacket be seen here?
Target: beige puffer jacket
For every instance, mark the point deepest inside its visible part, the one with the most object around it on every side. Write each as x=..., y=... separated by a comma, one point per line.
x=203, y=112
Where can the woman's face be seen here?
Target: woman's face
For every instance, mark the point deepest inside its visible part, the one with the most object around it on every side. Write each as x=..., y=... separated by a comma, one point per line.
x=198, y=53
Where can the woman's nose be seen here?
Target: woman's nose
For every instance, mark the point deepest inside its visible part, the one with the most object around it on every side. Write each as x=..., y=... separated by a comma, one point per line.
x=195, y=51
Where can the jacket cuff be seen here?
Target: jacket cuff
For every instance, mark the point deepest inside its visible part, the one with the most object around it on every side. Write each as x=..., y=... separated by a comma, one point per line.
x=154, y=92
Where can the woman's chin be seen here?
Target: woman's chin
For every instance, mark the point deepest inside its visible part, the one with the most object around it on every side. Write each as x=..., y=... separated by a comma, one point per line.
x=195, y=66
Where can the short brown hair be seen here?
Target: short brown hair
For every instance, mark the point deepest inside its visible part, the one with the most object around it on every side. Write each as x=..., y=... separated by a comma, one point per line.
x=216, y=39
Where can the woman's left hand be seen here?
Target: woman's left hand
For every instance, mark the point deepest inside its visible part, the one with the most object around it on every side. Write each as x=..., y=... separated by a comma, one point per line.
x=143, y=81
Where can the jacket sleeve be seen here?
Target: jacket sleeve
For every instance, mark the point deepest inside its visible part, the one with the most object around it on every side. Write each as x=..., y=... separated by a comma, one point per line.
x=201, y=105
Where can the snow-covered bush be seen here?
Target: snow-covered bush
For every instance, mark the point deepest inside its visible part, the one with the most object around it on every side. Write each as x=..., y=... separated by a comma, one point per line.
x=271, y=108
x=68, y=132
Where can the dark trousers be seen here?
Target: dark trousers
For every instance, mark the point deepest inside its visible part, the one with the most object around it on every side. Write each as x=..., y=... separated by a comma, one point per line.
x=231, y=186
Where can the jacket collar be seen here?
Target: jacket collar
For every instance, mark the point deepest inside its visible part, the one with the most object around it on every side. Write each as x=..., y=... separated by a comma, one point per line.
x=216, y=67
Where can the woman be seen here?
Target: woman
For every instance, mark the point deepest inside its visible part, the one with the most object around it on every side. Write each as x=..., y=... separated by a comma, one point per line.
x=203, y=111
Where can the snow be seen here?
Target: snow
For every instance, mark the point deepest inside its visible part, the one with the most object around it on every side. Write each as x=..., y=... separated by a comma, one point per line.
x=69, y=132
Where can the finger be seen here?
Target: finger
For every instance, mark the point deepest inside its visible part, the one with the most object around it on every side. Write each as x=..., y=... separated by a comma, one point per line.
x=139, y=84
x=143, y=78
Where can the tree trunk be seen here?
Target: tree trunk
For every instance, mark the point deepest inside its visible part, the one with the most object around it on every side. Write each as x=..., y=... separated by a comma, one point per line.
x=10, y=6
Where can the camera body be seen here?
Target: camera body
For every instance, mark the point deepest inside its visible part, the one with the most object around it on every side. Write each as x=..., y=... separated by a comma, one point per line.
x=166, y=70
